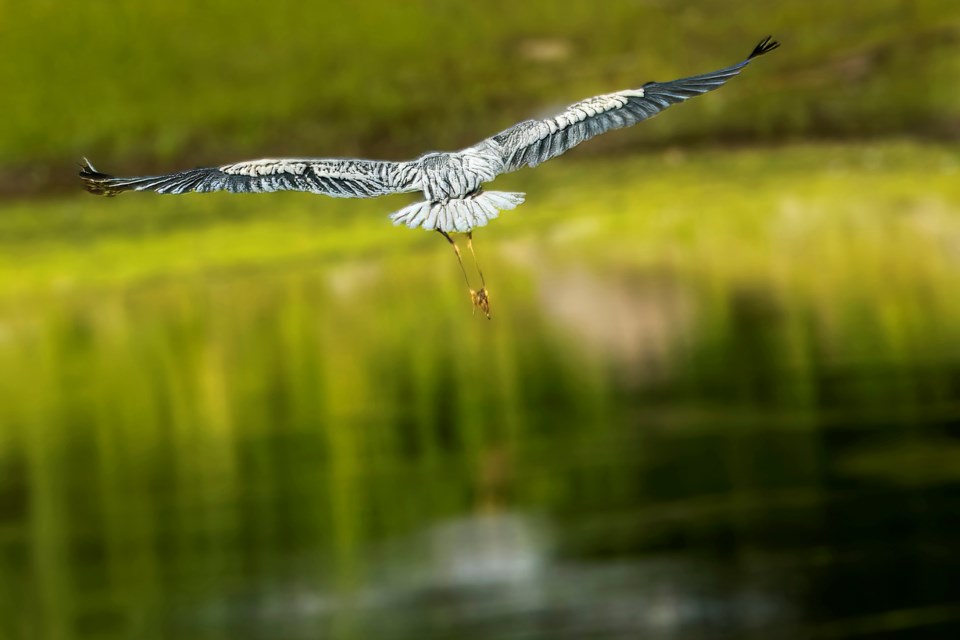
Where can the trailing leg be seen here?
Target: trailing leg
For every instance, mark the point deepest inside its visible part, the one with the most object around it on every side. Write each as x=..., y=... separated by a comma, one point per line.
x=480, y=298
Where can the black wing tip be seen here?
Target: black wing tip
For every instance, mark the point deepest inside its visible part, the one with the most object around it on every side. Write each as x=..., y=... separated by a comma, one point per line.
x=765, y=46
x=96, y=182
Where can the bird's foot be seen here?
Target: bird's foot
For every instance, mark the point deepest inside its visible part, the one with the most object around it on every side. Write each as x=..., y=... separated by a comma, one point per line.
x=481, y=300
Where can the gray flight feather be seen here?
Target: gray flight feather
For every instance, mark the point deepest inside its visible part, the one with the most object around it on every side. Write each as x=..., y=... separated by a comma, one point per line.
x=532, y=142
x=451, y=182
x=337, y=178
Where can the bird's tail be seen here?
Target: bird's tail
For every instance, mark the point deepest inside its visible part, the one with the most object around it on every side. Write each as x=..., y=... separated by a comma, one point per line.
x=460, y=214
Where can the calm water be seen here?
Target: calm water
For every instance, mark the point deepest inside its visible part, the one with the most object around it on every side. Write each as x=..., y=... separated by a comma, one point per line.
x=330, y=451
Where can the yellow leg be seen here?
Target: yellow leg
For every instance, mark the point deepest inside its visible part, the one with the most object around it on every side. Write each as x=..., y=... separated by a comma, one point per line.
x=456, y=250
x=483, y=284
x=480, y=298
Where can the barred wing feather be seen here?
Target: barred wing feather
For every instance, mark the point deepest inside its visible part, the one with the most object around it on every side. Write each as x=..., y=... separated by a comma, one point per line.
x=337, y=178
x=532, y=142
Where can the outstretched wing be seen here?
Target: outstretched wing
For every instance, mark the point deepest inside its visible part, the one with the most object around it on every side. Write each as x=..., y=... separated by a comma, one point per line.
x=534, y=141
x=337, y=178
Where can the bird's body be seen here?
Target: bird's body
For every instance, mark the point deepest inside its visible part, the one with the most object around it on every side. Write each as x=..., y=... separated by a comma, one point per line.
x=451, y=182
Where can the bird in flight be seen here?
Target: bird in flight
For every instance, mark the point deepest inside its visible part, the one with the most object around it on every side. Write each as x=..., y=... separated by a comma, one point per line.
x=451, y=182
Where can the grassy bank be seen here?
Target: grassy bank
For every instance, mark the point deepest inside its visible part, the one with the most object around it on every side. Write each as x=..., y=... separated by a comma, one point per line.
x=856, y=244
x=774, y=213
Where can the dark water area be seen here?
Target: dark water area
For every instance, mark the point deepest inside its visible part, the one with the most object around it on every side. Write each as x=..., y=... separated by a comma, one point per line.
x=264, y=456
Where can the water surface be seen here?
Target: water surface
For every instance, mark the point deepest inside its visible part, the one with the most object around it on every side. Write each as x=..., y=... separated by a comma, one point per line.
x=671, y=441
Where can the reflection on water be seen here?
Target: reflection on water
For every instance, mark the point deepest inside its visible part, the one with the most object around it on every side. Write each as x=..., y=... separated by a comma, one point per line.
x=494, y=575
x=325, y=453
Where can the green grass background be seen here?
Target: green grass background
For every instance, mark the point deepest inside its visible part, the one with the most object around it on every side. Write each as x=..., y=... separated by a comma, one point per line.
x=149, y=84
x=199, y=392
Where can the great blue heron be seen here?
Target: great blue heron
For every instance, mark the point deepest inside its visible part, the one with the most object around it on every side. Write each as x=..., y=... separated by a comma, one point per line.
x=451, y=182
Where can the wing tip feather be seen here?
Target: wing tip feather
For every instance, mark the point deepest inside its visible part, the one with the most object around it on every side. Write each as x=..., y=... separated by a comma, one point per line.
x=96, y=182
x=766, y=45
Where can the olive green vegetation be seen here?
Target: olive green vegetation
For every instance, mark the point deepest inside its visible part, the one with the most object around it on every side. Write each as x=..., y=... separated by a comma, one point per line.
x=158, y=82
x=742, y=355
x=203, y=392
x=145, y=281
x=873, y=225
x=765, y=213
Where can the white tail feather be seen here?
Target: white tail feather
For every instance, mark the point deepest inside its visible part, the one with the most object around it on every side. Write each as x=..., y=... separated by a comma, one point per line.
x=461, y=214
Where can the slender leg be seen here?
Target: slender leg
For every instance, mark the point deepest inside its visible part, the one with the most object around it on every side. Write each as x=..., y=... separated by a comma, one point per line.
x=456, y=250
x=483, y=284
x=480, y=298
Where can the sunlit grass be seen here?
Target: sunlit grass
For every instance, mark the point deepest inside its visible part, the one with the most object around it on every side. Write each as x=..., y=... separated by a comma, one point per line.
x=849, y=250
x=808, y=218
x=873, y=226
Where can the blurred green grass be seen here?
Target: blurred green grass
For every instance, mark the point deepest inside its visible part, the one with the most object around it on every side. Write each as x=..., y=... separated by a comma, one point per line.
x=208, y=82
x=197, y=388
x=198, y=360
x=853, y=247
x=850, y=251
x=861, y=213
